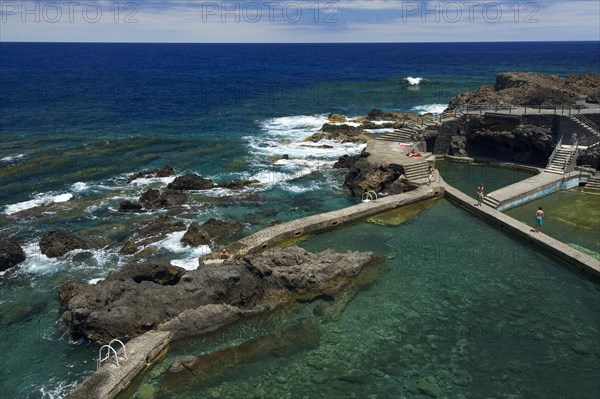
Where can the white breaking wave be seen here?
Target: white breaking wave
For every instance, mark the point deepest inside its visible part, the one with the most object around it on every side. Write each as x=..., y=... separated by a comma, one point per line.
x=152, y=180
x=285, y=137
x=188, y=255
x=38, y=200
x=430, y=109
x=12, y=158
x=290, y=125
x=38, y=263
x=384, y=130
x=413, y=81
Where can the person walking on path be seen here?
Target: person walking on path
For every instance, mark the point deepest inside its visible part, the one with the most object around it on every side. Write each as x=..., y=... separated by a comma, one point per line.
x=573, y=138
x=429, y=175
x=480, y=194
x=539, y=215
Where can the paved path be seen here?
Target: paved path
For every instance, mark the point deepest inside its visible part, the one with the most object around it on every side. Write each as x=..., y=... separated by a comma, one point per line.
x=111, y=380
x=273, y=235
x=527, y=190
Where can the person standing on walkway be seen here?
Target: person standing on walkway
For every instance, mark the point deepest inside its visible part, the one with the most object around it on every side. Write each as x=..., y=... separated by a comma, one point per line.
x=429, y=175
x=573, y=138
x=480, y=194
x=539, y=215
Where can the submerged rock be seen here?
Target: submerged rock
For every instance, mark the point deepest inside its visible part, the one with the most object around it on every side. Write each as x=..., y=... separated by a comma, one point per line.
x=142, y=296
x=300, y=336
x=237, y=184
x=11, y=254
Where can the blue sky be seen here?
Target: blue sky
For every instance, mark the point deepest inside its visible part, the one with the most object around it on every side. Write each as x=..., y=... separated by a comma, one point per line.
x=299, y=21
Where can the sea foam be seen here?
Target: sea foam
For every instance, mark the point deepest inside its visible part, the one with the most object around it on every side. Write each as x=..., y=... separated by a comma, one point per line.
x=38, y=200
x=413, y=81
x=430, y=108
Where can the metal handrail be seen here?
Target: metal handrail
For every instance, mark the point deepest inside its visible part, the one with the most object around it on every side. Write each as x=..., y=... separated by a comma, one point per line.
x=556, y=148
x=103, y=359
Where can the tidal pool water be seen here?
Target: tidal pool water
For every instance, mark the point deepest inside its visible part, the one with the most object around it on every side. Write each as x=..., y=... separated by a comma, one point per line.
x=459, y=310
x=571, y=216
x=467, y=176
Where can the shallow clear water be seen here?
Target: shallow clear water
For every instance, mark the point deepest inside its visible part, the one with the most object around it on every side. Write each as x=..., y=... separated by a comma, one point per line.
x=571, y=216
x=467, y=176
x=460, y=312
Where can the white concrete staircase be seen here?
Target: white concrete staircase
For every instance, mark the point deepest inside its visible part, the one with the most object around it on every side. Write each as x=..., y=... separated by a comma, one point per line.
x=586, y=123
x=491, y=202
x=402, y=135
x=560, y=160
x=593, y=182
x=416, y=172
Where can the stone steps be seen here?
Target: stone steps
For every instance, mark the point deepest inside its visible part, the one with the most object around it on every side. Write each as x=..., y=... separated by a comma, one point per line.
x=491, y=202
x=402, y=135
x=416, y=172
x=593, y=182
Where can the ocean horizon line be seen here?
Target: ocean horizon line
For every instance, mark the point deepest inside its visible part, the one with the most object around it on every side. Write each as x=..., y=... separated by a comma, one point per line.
x=301, y=43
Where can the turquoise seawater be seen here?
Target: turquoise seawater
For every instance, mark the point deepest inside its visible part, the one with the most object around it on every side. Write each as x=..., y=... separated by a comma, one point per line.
x=463, y=311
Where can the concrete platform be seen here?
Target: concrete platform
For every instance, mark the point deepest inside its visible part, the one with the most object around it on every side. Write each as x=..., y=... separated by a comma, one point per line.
x=271, y=236
x=529, y=189
x=110, y=380
x=389, y=152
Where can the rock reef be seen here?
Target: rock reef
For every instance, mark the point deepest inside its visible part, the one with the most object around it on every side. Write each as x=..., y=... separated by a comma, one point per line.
x=143, y=296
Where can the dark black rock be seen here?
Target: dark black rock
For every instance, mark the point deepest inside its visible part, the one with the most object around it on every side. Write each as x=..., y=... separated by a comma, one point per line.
x=128, y=206
x=58, y=242
x=11, y=254
x=191, y=181
x=164, y=171
x=211, y=232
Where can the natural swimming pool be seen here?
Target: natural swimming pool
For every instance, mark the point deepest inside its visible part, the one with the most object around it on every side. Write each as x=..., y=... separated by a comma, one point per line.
x=459, y=310
x=571, y=216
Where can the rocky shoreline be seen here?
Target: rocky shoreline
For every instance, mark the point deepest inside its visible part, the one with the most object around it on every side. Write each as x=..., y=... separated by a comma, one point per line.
x=156, y=295
x=150, y=293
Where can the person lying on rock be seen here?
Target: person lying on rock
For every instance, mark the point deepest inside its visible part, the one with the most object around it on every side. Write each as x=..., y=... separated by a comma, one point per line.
x=224, y=254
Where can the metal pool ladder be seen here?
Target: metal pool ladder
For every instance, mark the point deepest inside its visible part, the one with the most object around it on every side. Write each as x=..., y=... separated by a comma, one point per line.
x=109, y=350
x=369, y=196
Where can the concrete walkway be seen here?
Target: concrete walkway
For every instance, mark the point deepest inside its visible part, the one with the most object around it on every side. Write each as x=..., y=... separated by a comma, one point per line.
x=273, y=235
x=111, y=380
x=531, y=188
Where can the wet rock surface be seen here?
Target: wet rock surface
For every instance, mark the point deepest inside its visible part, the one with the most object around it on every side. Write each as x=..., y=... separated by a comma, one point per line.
x=57, y=243
x=157, y=199
x=213, y=232
x=191, y=181
x=364, y=176
x=11, y=254
x=141, y=296
x=164, y=171
x=150, y=232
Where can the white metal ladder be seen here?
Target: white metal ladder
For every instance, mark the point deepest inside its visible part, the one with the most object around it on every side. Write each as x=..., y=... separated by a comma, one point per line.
x=369, y=196
x=109, y=350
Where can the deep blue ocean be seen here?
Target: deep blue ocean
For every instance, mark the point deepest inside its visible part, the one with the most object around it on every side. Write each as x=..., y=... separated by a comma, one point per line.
x=77, y=119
